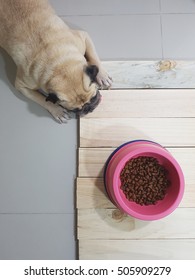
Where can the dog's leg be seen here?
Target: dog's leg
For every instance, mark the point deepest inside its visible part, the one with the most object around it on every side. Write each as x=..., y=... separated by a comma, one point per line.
x=103, y=79
x=59, y=113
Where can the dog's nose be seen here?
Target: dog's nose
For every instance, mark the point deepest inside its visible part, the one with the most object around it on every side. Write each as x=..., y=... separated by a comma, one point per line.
x=76, y=110
x=89, y=107
x=94, y=102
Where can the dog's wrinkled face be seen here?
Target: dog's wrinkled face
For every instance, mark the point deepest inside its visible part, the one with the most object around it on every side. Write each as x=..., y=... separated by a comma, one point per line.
x=75, y=90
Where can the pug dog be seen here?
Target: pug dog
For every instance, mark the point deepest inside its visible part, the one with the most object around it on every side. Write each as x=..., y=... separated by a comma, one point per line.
x=57, y=67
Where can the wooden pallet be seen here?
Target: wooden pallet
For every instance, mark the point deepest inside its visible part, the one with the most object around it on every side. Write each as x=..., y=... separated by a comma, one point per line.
x=164, y=116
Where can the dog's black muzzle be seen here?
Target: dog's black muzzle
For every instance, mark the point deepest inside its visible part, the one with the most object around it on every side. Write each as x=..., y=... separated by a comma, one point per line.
x=89, y=107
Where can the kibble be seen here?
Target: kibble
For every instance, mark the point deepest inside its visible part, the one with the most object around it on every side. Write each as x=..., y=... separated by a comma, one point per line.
x=144, y=180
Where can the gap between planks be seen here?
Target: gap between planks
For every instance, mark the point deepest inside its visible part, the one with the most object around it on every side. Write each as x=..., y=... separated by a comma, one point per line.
x=91, y=193
x=164, y=116
x=123, y=116
x=92, y=161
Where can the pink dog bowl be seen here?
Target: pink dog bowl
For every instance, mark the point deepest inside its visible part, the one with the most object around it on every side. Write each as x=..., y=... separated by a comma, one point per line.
x=116, y=163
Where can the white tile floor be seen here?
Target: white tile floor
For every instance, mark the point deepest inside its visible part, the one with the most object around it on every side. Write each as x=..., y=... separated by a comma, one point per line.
x=121, y=37
x=178, y=36
x=38, y=156
x=177, y=6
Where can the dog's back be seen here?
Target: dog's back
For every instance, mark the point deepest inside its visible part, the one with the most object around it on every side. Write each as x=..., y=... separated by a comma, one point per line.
x=20, y=21
x=13, y=13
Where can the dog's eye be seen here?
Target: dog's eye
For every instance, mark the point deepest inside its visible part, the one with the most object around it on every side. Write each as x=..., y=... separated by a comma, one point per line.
x=52, y=97
x=92, y=72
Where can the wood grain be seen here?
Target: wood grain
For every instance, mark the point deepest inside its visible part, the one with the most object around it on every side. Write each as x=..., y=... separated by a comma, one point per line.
x=147, y=103
x=178, y=249
x=93, y=191
x=164, y=74
x=112, y=132
x=164, y=116
x=92, y=161
x=113, y=224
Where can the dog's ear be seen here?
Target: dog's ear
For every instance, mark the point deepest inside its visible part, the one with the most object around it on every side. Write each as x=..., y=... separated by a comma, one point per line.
x=92, y=72
x=52, y=97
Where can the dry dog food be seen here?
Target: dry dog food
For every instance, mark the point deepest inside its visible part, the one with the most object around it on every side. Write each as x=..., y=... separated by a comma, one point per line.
x=144, y=180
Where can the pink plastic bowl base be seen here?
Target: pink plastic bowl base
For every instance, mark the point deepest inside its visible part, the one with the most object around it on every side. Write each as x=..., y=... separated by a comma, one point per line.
x=117, y=162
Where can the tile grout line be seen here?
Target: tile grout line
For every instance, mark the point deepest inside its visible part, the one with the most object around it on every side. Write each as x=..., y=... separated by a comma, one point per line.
x=132, y=14
x=161, y=30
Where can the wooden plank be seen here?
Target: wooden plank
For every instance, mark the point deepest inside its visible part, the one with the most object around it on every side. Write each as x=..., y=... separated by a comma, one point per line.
x=92, y=191
x=151, y=74
x=113, y=224
x=163, y=116
x=92, y=161
x=112, y=132
x=137, y=103
x=179, y=249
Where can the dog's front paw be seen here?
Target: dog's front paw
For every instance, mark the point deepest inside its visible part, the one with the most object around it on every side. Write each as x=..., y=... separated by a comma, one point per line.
x=60, y=114
x=103, y=79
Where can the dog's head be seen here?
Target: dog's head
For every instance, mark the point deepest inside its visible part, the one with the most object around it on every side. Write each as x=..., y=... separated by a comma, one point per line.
x=75, y=89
